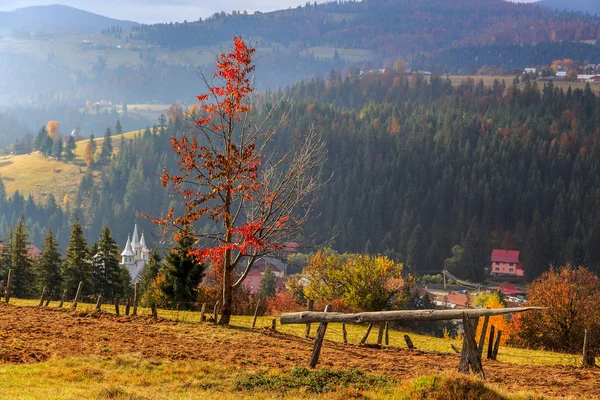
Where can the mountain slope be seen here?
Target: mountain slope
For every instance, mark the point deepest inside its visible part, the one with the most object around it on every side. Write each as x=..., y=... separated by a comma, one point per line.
x=589, y=6
x=59, y=19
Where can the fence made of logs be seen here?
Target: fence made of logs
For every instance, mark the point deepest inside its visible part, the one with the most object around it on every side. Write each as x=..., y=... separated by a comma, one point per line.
x=470, y=359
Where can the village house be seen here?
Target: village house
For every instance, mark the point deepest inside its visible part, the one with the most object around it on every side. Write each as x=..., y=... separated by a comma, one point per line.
x=454, y=300
x=254, y=277
x=506, y=263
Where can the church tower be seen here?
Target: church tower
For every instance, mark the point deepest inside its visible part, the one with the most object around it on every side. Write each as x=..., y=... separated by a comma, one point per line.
x=136, y=254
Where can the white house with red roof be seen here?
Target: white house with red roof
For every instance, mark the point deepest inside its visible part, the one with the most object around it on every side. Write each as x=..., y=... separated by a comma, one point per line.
x=506, y=263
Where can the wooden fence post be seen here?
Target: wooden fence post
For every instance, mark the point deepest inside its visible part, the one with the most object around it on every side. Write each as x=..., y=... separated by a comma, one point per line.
x=589, y=359
x=491, y=343
x=128, y=306
x=310, y=306
x=154, y=311
x=380, y=334
x=136, y=293
x=48, y=298
x=274, y=324
x=202, y=311
x=486, y=321
x=216, y=312
x=255, y=314
x=43, y=296
x=364, y=339
x=344, y=333
x=8, y=286
x=62, y=298
x=496, y=345
x=117, y=306
x=99, y=304
x=409, y=342
x=77, y=294
x=470, y=354
x=314, y=359
x=387, y=333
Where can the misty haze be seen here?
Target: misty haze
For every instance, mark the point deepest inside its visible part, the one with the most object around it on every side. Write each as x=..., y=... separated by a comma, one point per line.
x=387, y=199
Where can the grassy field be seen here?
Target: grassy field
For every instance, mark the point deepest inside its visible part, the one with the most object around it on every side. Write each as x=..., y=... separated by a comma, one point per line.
x=38, y=175
x=355, y=334
x=46, y=353
x=488, y=80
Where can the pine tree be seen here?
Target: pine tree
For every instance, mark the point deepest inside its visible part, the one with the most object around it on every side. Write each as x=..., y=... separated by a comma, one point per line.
x=268, y=284
x=476, y=254
x=537, y=247
x=416, y=250
x=49, y=264
x=118, y=127
x=183, y=273
x=40, y=139
x=106, y=266
x=77, y=267
x=69, y=147
x=21, y=264
x=107, y=148
x=57, y=147
x=150, y=271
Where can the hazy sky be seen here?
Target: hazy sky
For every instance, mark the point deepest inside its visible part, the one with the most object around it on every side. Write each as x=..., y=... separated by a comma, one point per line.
x=160, y=10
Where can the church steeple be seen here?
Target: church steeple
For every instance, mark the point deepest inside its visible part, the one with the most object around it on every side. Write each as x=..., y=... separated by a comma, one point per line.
x=135, y=241
x=127, y=254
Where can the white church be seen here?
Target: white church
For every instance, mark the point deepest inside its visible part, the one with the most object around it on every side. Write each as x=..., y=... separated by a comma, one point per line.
x=135, y=255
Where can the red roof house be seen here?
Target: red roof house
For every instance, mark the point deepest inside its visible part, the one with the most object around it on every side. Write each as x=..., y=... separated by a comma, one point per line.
x=506, y=263
x=510, y=290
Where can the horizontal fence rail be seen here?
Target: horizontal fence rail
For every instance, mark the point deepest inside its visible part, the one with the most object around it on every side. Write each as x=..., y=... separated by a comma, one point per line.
x=401, y=315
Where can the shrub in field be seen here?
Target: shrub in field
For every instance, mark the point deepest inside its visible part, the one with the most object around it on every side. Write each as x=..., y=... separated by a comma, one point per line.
x=572, y=296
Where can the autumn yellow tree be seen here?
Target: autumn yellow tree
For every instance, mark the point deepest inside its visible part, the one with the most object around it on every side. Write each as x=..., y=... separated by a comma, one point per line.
x=499, y=322
x=88, y=155
x=53, y=129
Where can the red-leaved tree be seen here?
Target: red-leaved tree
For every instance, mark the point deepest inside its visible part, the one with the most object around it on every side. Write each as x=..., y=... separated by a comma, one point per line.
x=256, y=199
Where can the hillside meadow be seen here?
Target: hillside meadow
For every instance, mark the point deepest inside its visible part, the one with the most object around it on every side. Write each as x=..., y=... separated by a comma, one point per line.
x=40, y=176
x=61, y=354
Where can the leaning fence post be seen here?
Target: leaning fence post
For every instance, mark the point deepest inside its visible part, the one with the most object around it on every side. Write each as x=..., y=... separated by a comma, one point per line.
x=310, y=306
x=314, y=359
x=117, y=306
x=8, y=285
x=136, y=294
x=274, y=324
x=387, y=333
x=154, y=311
x=48, y=298
x=62, y=298
x=77, y=294
x=490, y=352
x=409, y=342
x=202, y=311
x=470, y=354
x=496, y=345
x=486, y=321
x=99, y=303
x=128, y=306
x=43, y=296
x=364, y=339
x=344, y=333
x=255, y=314
x=589, y=359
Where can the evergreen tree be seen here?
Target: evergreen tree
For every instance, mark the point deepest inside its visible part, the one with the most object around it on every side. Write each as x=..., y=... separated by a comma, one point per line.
x=106, y=273
x=183, y=273
x=40, y=139
x=118, y=127
x=268, y=284
x=93, y=143
x=476, y=255
x=77, y=267
x=416, y=251
x=23, y=282
x=49, y=264
x=107, y=148
x=150, y=271
x=57, y=147
x=69, y=147
x=536, y=258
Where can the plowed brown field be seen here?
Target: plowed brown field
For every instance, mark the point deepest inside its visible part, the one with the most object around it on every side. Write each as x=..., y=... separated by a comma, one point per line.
x=29, y=335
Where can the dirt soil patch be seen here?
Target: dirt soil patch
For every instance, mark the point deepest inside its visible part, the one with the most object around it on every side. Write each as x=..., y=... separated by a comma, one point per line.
x=29, y=335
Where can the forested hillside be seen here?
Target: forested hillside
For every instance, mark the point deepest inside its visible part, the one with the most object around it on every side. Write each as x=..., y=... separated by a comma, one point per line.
x=414, y=166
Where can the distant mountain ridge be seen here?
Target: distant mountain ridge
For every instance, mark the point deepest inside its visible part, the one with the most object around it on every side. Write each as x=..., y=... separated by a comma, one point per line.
x=589, y=6
x=58, y=19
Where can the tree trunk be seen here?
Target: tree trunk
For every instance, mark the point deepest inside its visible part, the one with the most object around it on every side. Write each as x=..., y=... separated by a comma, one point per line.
x=227, y=297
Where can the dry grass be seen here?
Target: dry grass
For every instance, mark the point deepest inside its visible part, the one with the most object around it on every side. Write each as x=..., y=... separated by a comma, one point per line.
x=41, y=176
